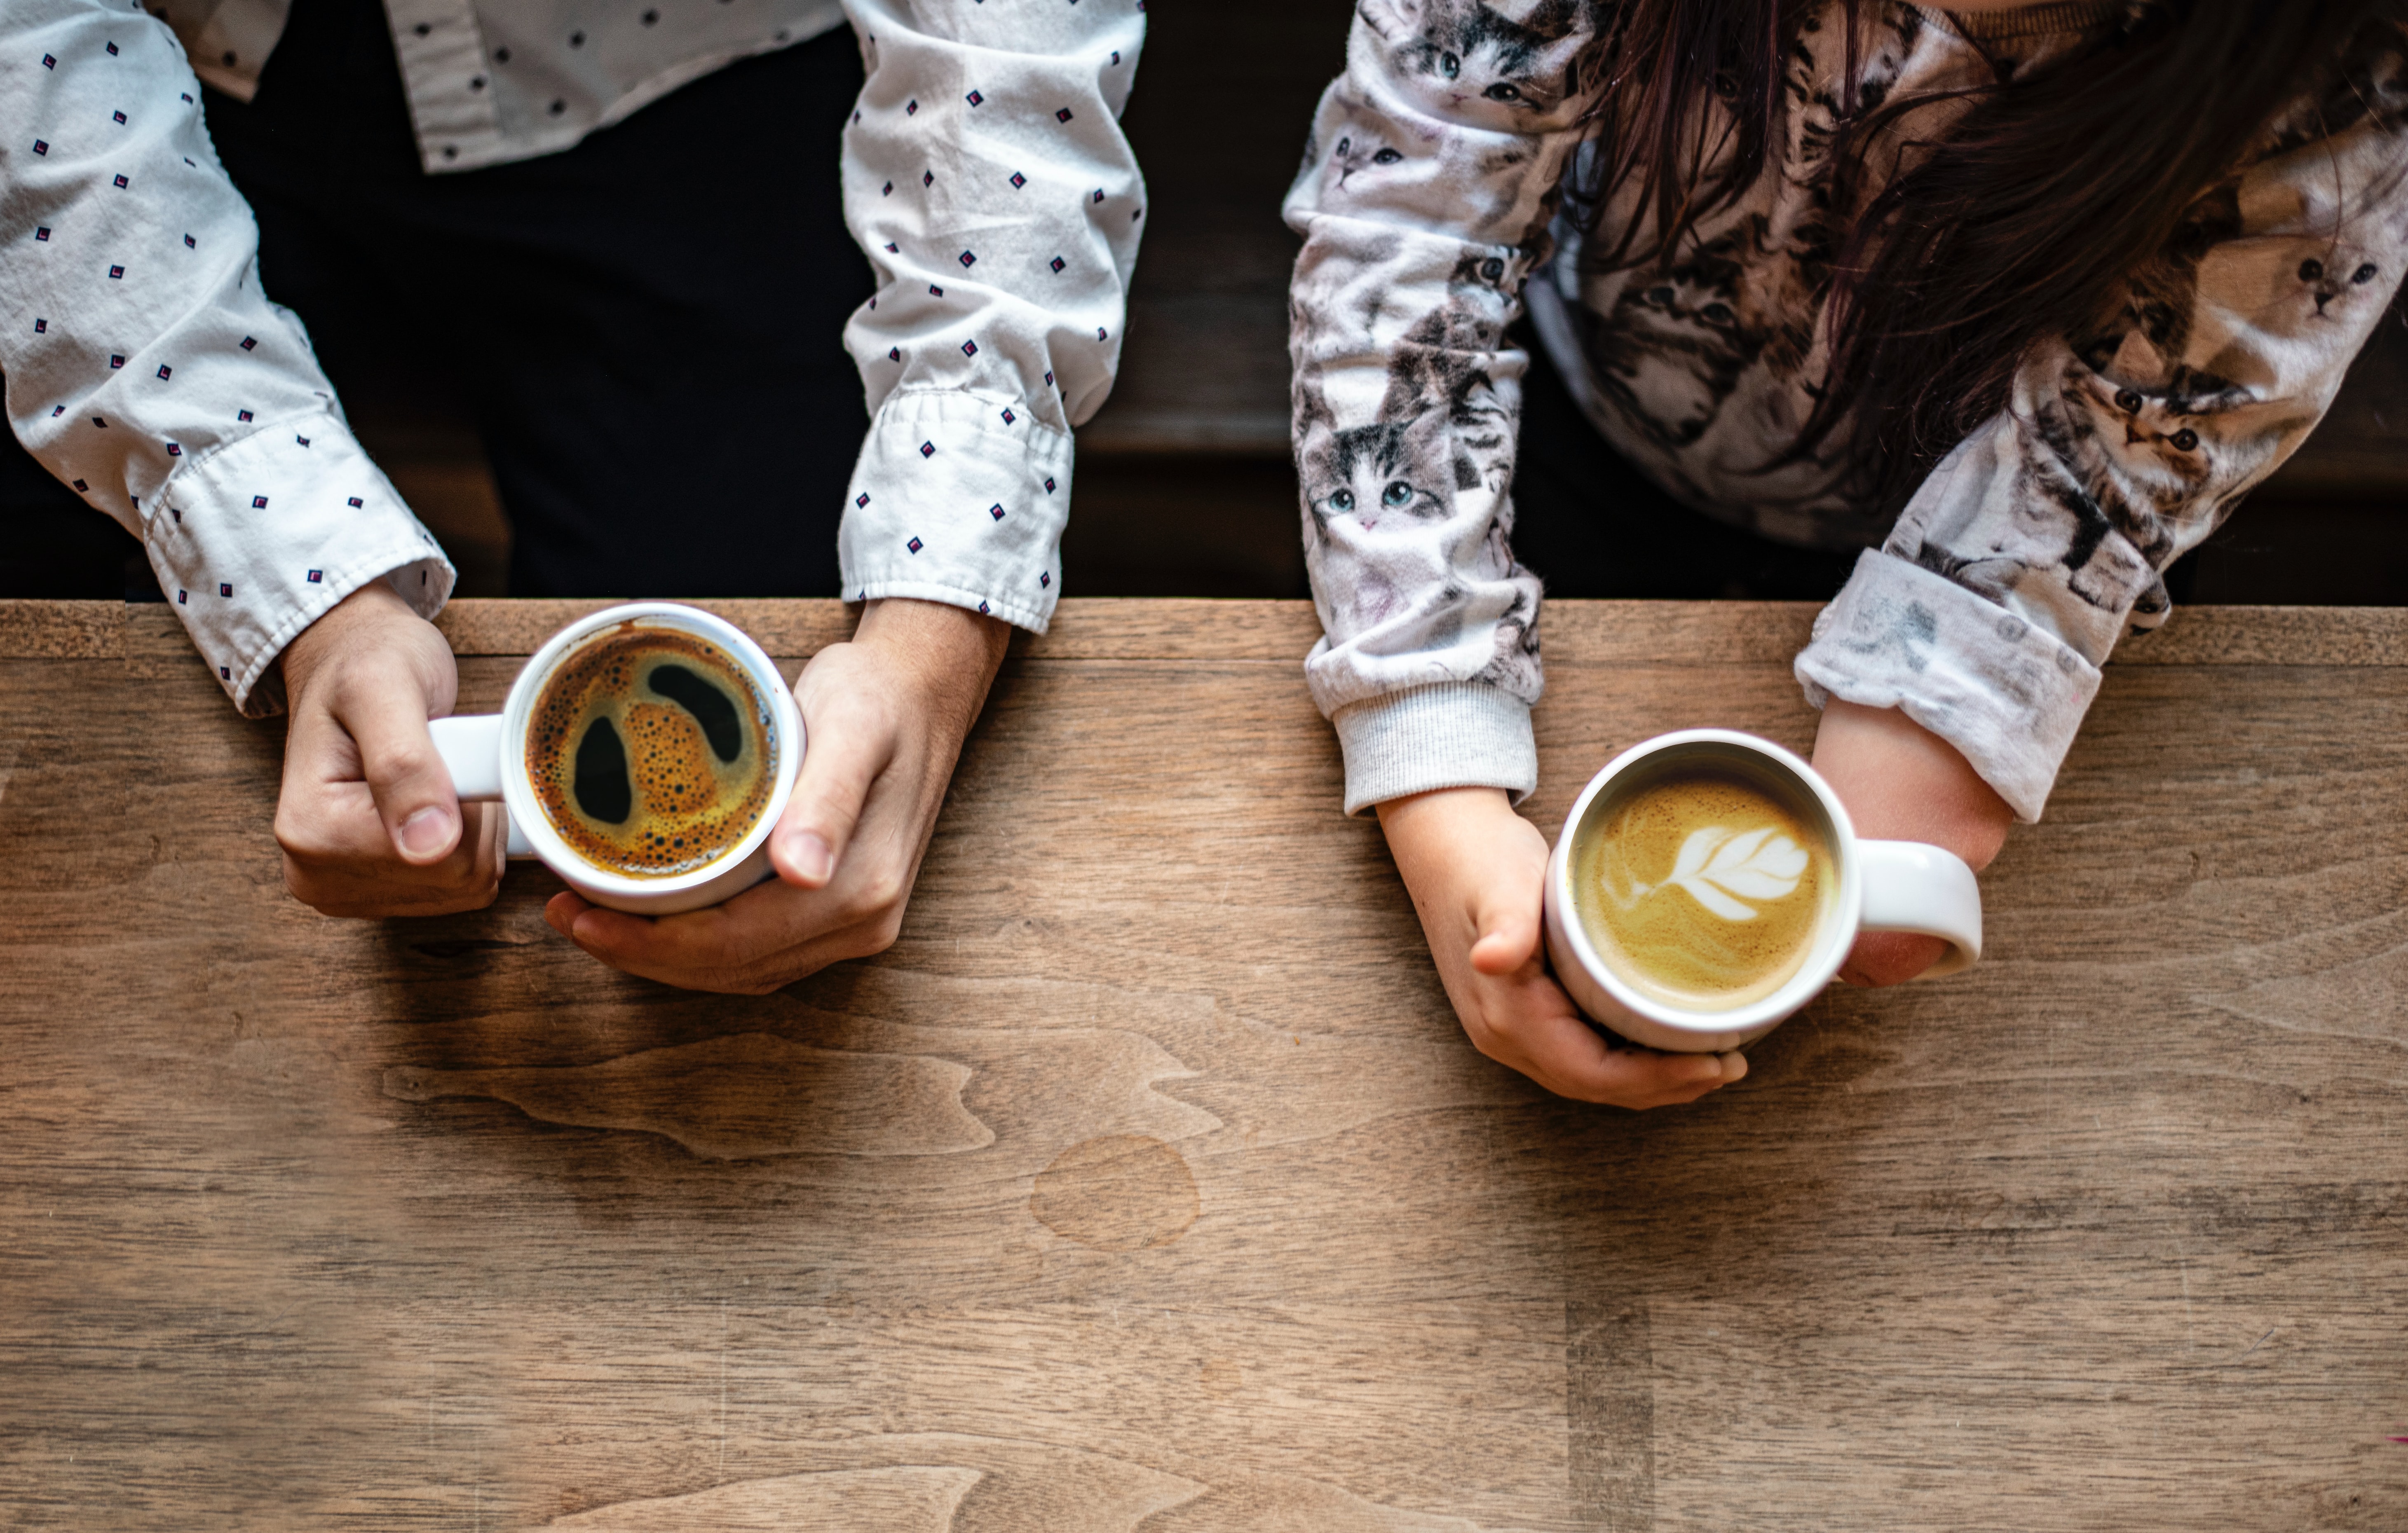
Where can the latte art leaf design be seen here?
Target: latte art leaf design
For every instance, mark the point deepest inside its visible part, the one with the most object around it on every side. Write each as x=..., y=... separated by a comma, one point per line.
x=1714, y=864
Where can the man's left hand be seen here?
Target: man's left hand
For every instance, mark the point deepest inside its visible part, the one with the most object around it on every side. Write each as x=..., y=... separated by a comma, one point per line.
x=884, y=720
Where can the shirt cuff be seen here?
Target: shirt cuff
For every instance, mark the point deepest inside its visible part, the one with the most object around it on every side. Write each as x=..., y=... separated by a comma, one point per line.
x=2007, y=695
x=255, y=540
x=959, y=498
x=1453, y=735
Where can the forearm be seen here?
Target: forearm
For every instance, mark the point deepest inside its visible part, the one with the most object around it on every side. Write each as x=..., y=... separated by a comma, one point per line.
x=146, y=368
x=1901, y=782
x=1430, y=833
x=999, y=205
x=1424, y=203
x=946, y=655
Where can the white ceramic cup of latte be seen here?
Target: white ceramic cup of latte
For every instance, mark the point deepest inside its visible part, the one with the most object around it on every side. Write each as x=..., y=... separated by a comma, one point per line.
x=486, y=753
x=1885, y=886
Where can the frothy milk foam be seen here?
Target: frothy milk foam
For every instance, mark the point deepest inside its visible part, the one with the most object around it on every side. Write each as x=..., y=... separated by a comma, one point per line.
x=1701, y=889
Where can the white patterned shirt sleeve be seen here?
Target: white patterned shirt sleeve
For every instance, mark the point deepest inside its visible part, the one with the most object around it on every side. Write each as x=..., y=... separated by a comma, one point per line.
x=986, y=176
x=145, y=367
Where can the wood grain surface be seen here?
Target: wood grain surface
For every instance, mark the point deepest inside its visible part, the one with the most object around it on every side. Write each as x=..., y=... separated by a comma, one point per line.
x=1147, y=1181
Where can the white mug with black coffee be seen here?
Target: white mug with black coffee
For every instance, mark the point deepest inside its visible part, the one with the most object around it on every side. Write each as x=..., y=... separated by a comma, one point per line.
x=645, y=754
x=1707, y=884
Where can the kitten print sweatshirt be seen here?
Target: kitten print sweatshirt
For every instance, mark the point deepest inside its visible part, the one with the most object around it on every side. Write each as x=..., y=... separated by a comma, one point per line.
x=1431, y=205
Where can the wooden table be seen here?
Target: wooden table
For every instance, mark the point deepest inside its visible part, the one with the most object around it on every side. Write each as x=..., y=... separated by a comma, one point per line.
x=1148, y=1180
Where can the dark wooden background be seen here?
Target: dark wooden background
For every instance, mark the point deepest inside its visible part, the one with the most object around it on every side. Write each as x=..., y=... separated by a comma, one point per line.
x=1185, y=485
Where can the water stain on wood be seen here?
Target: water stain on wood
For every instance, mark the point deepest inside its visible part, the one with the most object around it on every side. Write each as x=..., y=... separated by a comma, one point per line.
x=737, y=1098
x=1121, y=1192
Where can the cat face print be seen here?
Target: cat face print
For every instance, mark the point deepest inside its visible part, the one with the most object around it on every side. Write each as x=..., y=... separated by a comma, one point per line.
x=1674, y=347
x=1515, y=66
x=2334, y=283
x=1817, y=69
x=2145, y=455
x=1389, y=471
x=1359, y=152
x=1479, y=294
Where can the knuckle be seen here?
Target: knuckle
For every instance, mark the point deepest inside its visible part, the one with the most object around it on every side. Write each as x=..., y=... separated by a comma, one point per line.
x=862, y=939
x=396, y=763
x=300, y=835
x=880, y=898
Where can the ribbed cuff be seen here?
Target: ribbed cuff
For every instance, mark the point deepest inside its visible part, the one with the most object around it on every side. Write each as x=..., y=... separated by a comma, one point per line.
x=959, y=498
x=1453, y=735
x=255, y=540
x=2005, y=693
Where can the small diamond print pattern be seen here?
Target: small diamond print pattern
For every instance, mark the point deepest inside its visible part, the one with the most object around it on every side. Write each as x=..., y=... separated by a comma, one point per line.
x=76, y=115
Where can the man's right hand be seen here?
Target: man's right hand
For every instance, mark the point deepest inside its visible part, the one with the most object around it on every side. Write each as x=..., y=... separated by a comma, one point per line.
x=366, y=815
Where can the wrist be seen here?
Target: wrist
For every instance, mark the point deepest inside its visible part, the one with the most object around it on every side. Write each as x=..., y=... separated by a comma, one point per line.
x=365, y=621
x=1430, y=834
x=1901, y=781
x=948, y=654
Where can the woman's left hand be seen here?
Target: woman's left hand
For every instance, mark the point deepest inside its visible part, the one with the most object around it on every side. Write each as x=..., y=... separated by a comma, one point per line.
x=1901, y=782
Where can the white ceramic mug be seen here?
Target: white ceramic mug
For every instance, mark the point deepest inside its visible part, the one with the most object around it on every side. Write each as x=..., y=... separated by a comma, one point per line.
x=486, y=754
x=1885, y=886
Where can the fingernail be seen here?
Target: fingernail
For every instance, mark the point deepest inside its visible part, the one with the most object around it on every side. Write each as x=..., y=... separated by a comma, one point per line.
x=429, y=832
x=812, y=858
x=1704, y=1067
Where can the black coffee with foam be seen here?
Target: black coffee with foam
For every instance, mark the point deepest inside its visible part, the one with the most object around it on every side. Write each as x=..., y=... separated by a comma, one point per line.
x=651, y=752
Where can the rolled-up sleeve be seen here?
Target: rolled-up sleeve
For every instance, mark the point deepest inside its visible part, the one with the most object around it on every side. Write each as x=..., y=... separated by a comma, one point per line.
x=987, y=179
x=146, y=369
x=2041, y=539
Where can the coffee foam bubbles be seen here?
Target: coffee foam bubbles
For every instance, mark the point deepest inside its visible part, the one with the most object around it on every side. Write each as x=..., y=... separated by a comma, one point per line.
x=1702, y=890
x=651, y=751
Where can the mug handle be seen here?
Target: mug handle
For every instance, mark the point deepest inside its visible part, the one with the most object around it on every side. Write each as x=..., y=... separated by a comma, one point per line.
x=471, y=748
x=1912, y=887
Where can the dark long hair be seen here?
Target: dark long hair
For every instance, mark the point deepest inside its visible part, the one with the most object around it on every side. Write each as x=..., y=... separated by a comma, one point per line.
x=2022, y=219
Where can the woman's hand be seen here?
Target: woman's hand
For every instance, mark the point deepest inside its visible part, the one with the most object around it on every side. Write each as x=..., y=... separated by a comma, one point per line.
x=883, y=720
x=1901, y=782
x=1477, y=873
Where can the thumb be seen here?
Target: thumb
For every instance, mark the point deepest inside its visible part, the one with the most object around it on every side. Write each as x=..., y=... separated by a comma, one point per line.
x=839, y=767
x=387, y=718
x=1508, y=930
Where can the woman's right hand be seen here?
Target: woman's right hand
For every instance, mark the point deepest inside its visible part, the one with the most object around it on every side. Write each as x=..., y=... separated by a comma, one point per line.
x=1478, y=874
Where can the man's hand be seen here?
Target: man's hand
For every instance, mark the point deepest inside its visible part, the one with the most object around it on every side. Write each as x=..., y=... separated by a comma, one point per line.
x=1901, y=782
x=883, y=720
x=366, y=815
x=1477, y=873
